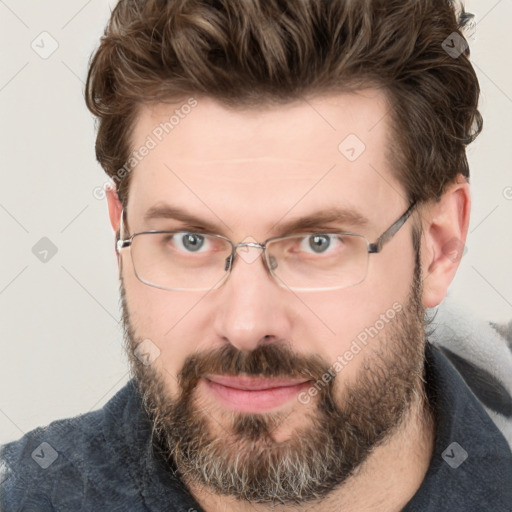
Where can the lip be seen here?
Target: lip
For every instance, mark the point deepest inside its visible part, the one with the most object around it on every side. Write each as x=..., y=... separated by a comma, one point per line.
x=253, y=394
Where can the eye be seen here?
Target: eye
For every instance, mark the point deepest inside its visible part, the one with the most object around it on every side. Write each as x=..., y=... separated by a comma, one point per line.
x=320, y=243
x=189, y=242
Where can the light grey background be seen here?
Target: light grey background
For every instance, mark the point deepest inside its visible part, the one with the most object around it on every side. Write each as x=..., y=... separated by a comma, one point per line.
x=61, y=345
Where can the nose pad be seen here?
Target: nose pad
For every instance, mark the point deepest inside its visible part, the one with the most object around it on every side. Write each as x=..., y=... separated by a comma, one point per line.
x=244, y=250
x=249, y=256
x=272, y=262
x=229, y=261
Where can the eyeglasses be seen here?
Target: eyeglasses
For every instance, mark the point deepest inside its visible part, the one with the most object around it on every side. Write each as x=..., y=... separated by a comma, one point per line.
x=191, y=261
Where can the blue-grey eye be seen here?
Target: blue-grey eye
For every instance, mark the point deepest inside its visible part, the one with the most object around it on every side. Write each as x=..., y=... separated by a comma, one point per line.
x=319, y=243
x=192, y=241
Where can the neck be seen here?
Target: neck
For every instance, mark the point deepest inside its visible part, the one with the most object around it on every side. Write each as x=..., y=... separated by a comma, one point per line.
x=385, y=482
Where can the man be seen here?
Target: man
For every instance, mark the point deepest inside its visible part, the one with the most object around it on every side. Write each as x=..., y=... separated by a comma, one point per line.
x=291, y=195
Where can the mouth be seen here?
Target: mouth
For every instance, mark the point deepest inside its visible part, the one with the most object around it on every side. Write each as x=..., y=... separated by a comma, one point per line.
x=253, y=394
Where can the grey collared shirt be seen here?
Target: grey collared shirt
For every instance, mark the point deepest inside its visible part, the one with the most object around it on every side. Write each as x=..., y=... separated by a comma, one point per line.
x=104, y=461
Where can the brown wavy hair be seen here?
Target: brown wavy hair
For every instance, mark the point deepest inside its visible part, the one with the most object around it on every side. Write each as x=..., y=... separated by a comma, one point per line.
x=254, y=53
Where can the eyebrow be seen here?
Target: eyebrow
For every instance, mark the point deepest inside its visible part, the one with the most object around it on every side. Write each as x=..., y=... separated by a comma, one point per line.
x=338, y=216
x=325, y=217
x=164, y=211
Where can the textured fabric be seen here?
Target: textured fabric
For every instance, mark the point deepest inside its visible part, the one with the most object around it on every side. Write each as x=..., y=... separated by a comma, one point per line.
x=482, y=356
x=471, y=466
x=103, y=461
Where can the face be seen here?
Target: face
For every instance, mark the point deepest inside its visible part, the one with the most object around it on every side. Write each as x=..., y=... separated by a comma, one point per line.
x=257, y=391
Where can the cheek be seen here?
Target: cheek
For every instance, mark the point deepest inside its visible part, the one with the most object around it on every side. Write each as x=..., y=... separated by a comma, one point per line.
x=361, y=313
x=171, y=320
x=335, y=321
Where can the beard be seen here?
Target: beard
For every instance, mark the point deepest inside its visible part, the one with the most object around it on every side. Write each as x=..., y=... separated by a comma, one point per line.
x=241, y=458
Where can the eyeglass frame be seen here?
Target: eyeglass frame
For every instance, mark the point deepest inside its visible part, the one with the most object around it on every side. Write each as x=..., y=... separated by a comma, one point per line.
x=373, y=247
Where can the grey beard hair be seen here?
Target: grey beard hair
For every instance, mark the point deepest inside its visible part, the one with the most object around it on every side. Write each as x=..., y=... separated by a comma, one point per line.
x=337, y=435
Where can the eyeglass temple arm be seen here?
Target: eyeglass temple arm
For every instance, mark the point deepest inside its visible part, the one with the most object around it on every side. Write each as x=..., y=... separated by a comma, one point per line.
x=391, y=231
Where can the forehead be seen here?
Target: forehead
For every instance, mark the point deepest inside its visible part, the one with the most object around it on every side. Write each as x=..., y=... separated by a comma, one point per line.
x=258, y=165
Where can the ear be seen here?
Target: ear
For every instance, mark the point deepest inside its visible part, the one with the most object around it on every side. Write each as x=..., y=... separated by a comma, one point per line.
x=445, y=226
x=115, y=207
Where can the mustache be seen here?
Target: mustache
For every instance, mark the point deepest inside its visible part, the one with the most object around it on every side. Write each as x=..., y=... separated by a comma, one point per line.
x=273, y=360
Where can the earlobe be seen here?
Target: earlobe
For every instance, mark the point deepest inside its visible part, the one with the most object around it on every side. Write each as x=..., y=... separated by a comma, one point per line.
x=445, y=226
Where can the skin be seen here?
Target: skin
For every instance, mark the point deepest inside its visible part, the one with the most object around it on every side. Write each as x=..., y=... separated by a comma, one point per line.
x=246, y=171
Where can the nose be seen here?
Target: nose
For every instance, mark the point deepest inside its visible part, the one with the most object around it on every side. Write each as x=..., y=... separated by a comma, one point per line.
x=252, y=308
